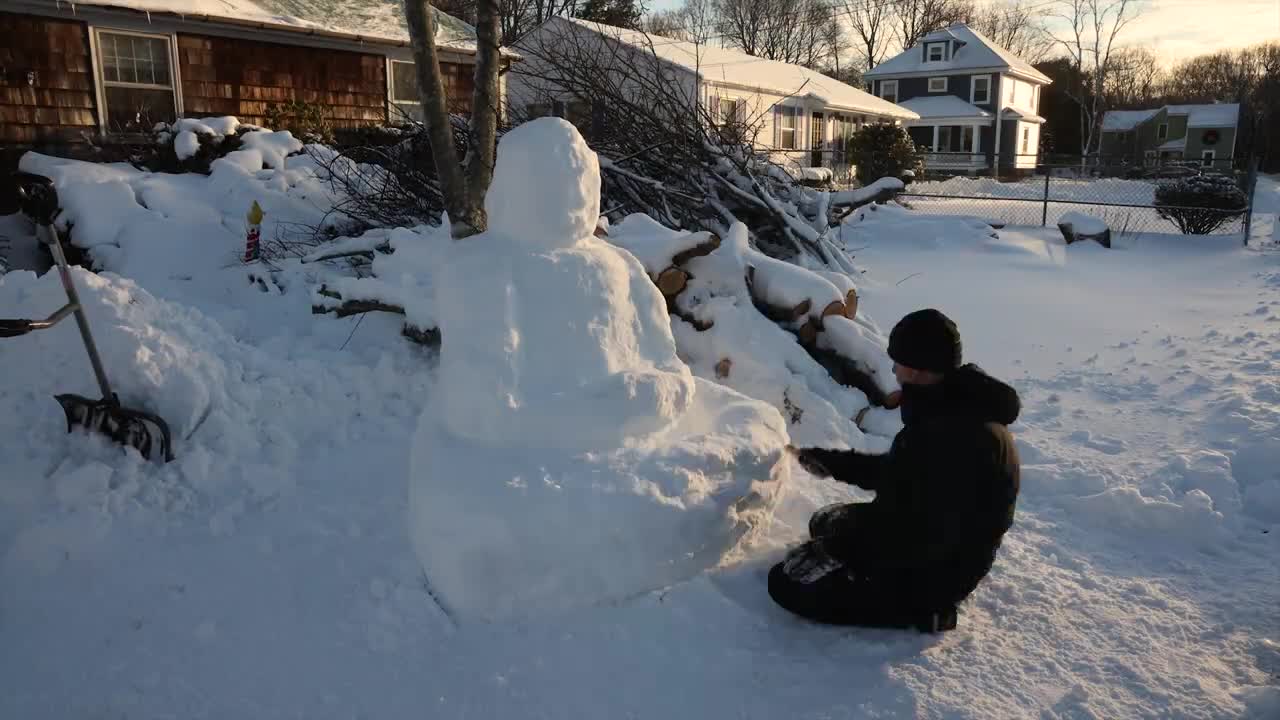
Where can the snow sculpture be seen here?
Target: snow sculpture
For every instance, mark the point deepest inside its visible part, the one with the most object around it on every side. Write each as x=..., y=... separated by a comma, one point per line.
x=570, y=457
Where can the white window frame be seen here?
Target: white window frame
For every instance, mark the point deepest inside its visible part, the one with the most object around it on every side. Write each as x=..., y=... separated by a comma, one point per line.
x=885, y=84
x=99, y=74
x=786, y=111
x=1026, y=139
x=934, y=89
x=928, y=52
x=734, y=117
x=1162, y=131
x=391, y=91
x=1207, y=158
x=973, y=89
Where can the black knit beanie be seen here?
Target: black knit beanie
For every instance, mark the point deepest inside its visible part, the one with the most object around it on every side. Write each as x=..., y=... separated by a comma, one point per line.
x=926, y=340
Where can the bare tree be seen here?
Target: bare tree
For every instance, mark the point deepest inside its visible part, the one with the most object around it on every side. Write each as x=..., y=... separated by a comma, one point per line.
x=1092, y=28
x=463, y=193
x=694, y=21
x=796, y=31
x=871, y=24
x=916, y=18
x=1136, y=78
x=518, y=17
x=1015, y=25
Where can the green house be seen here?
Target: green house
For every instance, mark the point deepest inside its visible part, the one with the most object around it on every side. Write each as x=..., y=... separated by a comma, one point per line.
x=1173, y=134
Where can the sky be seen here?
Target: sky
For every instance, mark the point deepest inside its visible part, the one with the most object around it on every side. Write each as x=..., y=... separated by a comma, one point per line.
x=1180, y=29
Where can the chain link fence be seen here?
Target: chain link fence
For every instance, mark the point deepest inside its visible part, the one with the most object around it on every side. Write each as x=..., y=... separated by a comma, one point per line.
x=1038, y=190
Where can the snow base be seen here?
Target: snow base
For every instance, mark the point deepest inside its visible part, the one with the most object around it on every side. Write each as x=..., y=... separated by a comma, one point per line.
x=508, y=532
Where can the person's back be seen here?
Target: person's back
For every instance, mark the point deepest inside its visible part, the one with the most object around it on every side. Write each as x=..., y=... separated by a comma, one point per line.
x=945, y=496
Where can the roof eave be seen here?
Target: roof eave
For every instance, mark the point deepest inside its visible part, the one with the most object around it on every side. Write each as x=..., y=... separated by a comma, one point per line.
x=256, y=25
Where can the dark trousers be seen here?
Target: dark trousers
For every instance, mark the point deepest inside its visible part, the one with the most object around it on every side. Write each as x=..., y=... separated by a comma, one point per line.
x=814, y=586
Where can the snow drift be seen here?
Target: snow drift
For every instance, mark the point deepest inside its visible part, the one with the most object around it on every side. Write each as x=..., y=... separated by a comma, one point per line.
x=571, y=457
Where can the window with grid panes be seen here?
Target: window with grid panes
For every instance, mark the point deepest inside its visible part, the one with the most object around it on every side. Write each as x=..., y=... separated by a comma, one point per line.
x=137, y=80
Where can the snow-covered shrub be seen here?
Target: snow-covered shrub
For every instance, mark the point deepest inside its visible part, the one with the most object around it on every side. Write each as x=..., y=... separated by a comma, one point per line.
x=1200, y=204
x=191, y=144
x=880, y=150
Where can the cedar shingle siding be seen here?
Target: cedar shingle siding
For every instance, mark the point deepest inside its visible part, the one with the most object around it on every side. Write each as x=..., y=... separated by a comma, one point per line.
x=224, y=76
x=60, y=103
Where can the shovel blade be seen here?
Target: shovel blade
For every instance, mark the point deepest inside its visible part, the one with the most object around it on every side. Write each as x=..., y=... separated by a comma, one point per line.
x=142, y=431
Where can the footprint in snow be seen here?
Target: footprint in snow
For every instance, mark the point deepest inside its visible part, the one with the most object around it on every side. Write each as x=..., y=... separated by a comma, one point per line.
x=1110, y=446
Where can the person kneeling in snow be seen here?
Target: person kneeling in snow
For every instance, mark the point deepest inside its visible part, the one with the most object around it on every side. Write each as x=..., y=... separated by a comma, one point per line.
x=945, y=495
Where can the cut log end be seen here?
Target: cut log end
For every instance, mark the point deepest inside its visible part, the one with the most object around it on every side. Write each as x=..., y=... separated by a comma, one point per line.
x=835, y=307
x=722, y=368
x=851, y=304
x=893, y=399
x=808, y=333
x=672, y=281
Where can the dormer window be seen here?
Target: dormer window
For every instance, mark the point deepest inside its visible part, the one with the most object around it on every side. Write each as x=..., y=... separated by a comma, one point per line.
x=935, y=52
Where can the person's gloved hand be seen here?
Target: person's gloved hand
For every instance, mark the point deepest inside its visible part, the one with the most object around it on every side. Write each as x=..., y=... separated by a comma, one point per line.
x=809, y=460
x=810, y=562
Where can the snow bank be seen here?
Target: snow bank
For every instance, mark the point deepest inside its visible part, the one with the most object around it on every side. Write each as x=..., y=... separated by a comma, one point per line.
x=274, y=146
x=570, y=457
x=900, y=225
x=176, y=234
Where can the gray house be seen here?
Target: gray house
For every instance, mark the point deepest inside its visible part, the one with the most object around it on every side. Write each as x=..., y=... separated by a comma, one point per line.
x=978, y=103
x=1203, y=134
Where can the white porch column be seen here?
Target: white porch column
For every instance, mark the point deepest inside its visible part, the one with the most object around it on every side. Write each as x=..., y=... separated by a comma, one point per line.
x=935, y=138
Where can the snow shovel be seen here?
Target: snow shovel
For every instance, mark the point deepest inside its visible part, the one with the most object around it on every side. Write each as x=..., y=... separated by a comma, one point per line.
x=140, y=430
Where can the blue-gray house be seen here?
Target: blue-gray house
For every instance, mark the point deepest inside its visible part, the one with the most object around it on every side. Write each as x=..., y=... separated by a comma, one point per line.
x=978, y=103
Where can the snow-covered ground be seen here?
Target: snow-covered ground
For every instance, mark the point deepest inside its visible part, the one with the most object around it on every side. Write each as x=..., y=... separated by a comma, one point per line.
x=269, y=572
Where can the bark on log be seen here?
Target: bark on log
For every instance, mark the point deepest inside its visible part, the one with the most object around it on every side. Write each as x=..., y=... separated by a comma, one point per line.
x=845, y=372
x=429, y=336
x=672, y=281
x=355, y=307
x=702, y=249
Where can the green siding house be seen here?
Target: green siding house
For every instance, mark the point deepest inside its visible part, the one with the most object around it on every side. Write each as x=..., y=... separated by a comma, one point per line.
x=1203, y=134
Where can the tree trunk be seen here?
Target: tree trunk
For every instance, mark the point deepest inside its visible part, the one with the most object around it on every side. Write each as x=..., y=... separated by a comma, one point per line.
x=485, y=105
x=421, y=19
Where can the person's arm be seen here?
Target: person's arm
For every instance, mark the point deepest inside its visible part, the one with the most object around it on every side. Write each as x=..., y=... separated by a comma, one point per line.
x=920, y=533
x=846, y=466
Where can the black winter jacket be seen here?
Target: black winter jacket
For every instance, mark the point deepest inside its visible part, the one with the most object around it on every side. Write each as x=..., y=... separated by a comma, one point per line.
x=945, y=492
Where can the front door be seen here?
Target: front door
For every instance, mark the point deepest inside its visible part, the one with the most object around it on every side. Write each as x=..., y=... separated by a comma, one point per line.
x=816, y=138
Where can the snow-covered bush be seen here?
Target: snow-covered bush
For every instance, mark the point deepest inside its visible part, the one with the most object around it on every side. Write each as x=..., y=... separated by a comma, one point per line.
x=1200, y=204
x=881, y=150
x=191, y=144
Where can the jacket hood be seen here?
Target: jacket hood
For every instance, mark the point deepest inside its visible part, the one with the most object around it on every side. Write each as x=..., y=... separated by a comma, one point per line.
x=968, y=392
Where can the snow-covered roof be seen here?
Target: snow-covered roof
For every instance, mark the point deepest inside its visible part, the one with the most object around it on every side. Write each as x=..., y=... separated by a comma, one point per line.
x=977, y=52
x=1125, y=120
x=1212, y=115
x=1198, y=116
x=371, y=20
x=938, y=106
x=729, y=67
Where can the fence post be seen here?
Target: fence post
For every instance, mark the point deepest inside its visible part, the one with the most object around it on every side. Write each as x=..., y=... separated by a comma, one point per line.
x=1251, y=183
x=1044, y=215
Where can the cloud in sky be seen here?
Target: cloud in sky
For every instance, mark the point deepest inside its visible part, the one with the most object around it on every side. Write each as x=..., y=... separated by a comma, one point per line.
x=1181, y=29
